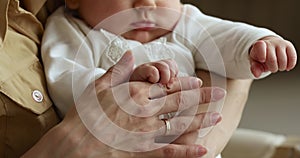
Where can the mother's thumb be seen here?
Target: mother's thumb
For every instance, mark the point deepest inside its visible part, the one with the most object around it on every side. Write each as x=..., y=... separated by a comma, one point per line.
x=117, y=74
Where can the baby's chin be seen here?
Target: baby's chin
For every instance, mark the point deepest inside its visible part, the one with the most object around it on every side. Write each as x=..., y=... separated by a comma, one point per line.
x=144, y=35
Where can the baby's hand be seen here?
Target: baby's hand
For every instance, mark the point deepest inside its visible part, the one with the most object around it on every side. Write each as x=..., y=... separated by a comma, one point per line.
x=272, y=54
x=155, y=72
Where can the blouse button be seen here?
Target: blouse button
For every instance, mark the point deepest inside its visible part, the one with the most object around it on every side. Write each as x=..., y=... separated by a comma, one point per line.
x=37, y=96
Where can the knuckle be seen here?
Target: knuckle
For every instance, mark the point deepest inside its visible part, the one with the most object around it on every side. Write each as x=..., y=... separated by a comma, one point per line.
x=188, y=152
x=152, y=71
x=141, y=110
x=116, y=70
x=163, y=64
x=134, y=90
x=169, y=152
x=199, y=121
x=138, y=95
x=183, y=101
x=289, y=43
x=178, y=99
x=180, y=127
x=146, y=127
x=203, y=97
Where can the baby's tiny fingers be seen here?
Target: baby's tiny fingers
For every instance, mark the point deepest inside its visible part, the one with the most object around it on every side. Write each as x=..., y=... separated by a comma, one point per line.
x=259, y=51
x=164, y=71
x=172, y=66
x=281, y=58
x=145, y=72
x=271, y=61
x=257, y=68
x=291, y=57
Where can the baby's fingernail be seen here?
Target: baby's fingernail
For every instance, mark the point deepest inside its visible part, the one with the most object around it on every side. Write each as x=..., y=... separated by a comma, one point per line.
x=201, y=151
x=218, y=93
x=170, y=83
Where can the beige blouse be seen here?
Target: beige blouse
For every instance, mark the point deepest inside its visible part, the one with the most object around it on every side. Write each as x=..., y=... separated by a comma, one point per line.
x=26, y=111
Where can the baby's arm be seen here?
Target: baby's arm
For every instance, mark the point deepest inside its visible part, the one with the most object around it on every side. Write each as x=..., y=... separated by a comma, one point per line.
x=155, y=72
x=272, y=54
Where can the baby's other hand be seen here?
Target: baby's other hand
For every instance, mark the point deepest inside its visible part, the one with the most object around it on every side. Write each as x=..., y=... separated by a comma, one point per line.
x=155, y=72
x=272, y=54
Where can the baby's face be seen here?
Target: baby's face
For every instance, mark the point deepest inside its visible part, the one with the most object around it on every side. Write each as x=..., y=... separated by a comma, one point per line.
x=141, y=20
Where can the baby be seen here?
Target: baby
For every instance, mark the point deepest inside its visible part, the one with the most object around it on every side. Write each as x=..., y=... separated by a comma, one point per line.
x=167, y=38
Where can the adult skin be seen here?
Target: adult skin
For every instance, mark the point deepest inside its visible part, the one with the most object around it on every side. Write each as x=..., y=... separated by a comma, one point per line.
x=51, y=143
x=71, y=138
x=235, y=100
x=61, y=141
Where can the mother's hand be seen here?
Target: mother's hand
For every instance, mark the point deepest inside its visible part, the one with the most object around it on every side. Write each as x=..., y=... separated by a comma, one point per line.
x=126, y=115
x=77, y=135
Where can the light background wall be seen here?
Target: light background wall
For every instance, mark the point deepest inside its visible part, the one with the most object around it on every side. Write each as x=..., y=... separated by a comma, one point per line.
x=274, y=102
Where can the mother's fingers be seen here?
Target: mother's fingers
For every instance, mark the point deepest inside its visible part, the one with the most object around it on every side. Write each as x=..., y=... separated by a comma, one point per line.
x=185, y=99
x=117, y=74
x=174, y=85
x=133, y=98
x=174, y=151
x=188, y=138
x=186, y=124
x=183, y=83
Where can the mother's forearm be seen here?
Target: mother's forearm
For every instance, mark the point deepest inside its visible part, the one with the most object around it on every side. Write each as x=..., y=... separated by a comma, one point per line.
x=237, y=94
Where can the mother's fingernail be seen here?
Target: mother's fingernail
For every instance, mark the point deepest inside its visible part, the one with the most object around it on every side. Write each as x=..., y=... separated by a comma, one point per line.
x=195, y=83
x=126, y=57
x=215, y=118
x=201, y=151
x=218, y=93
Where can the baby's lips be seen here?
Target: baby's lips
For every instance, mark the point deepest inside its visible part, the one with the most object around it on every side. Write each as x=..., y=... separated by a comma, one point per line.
x=143, y=24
